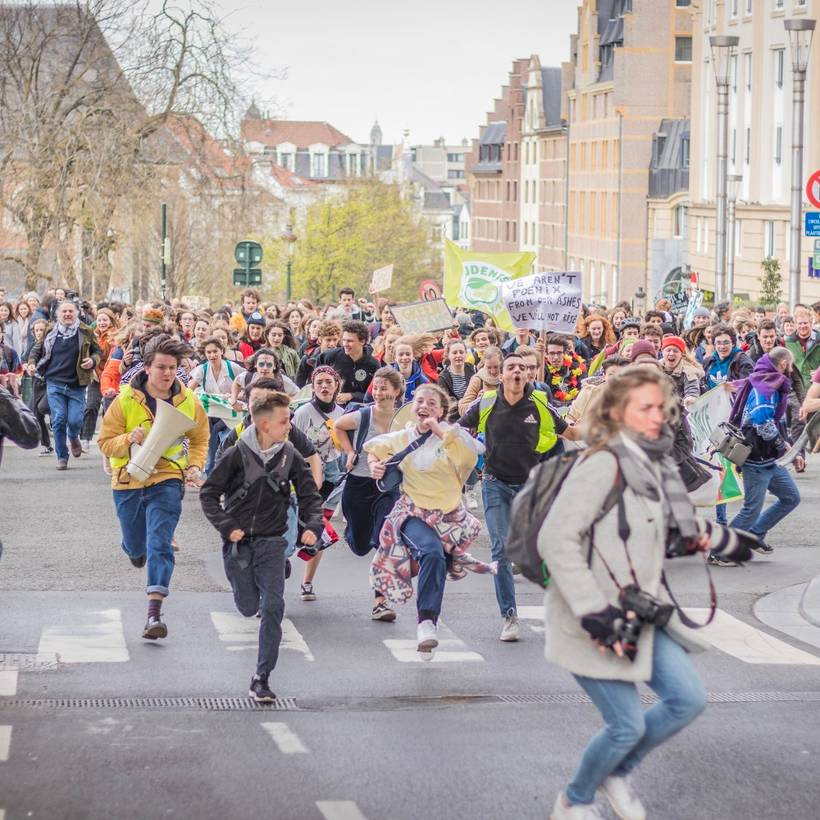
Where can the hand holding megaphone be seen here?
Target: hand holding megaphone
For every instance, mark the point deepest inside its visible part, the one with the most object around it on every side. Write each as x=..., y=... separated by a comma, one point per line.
x=136, y=436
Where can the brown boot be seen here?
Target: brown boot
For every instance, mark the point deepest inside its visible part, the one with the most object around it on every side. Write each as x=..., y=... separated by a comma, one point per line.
x=62, y=464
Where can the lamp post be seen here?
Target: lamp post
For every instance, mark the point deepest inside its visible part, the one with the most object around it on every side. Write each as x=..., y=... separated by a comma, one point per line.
x=800, y=31
x=639, y=301
x=290, y=238
x=723, y=47
x=733, y=190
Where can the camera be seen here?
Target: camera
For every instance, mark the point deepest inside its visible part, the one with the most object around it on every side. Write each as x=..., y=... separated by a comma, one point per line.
x=647, y=608
x=726, y=542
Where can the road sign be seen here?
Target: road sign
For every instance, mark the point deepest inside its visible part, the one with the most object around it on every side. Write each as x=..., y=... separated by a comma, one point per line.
x=813, y=189
x=812, y=223
x=816, y=260
x=243, y=278
x=248, y=253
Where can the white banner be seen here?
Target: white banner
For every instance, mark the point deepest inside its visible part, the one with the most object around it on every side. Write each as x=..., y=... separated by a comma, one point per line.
x=544, y=301
x=382, y=279
x=710, y=410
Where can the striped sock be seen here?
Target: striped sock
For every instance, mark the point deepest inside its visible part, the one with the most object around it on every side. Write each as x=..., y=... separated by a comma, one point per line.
x=154, y=606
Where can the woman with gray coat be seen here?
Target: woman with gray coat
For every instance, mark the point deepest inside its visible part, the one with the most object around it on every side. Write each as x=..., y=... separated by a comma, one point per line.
x=587, y=632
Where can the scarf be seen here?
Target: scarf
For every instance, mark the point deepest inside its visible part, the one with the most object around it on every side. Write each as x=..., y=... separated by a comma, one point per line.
x=64, y=332
x=671, y=492
x=767, y=380
x=719, y=371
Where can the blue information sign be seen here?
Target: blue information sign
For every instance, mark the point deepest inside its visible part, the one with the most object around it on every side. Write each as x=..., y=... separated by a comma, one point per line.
x=813, y=223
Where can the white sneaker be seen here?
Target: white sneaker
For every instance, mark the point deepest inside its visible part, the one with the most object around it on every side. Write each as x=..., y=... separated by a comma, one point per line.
x=426, y=633
x=511, y=631
x=561, y=811
x=86, y=445
x=621, y=796
x=470, y=498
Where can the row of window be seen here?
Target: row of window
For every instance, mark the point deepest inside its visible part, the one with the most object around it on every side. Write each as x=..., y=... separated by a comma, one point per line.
x=355, y=164
x=506, y=230
x=745, y=7
x=596, y=105
x=593, y=212
x=771, y=229
x=489, y=190
x=596, y=152
x=599, y=280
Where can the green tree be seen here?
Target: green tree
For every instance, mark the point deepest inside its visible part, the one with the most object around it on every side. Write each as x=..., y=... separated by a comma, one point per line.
x=345, y=238
x=771, y=283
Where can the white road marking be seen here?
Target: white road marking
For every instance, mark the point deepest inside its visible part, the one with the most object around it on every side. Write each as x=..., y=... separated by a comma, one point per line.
x=748, y=644
x=285, y=739
x=5, y=742
x=2, y=814
x=235, y=628
x=451, y=649
x=532, y=613
x=8, y=684
x=100, y=640
x=339, y=810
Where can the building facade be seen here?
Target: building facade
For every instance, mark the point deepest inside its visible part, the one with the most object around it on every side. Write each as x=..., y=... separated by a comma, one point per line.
x=759, y=138
x=630, y=68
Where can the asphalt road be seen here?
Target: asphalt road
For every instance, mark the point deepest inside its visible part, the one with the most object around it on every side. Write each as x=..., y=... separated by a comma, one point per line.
x=96, y=723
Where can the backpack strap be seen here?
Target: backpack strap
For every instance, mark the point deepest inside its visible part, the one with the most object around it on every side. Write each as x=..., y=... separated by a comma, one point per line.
x=230, y=369
x=252, y=470
x=364, y=428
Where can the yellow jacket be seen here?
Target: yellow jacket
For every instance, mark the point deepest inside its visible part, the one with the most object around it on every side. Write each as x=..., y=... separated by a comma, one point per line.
x=434, y=474
x=113, y=438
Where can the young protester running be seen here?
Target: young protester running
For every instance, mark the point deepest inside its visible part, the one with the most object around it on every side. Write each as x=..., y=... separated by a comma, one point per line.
x=520, y=428
x=429, y=524
x=255, y=478
x=315, y=419
x=149, y=510
x=353, y=361
x=364, y=505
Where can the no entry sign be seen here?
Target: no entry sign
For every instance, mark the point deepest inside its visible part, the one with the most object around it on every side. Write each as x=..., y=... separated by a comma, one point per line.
x=813, y=189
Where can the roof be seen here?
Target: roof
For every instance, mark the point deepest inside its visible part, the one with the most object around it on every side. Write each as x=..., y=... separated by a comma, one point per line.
x=493, y=134
x=551, y=95
x=287, y=179
x=669, y=167
x=436, y=201
x=300, y=133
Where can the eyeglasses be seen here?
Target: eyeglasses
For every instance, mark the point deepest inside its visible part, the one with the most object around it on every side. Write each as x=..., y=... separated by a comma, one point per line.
x=723, y=342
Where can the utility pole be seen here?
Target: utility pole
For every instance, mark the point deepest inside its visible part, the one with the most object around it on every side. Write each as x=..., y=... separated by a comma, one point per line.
x=164, y=250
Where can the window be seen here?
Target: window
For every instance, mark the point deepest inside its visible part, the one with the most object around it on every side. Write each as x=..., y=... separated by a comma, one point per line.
x=778, y=4
x=699, y=234
x=455, y=173
x=682, y=4
x=684, y=150
x=515, y=189
x=748, y=145
x=683, y=49
x=706, y=236
x=526, y=190
x=286, y=161
x=455, y=157
x=681, y=219
x=352, y=165
x=779, y=57
x=604, y=153
x=733, y=8
x=318, y=165
x=768, y=238
x=733, y=73
x=778, y=144
x=747, y=69
x=749, y=4
x=734, y=146
x=738, y=237
x=583, y=158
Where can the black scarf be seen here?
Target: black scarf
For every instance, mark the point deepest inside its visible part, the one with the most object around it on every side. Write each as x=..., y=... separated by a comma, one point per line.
x=324, y=407
x=672, y=492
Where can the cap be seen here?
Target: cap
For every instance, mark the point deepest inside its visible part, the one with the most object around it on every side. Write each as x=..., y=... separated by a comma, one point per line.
x=256, y=318
x=674, y=341
x=631, y=322
x=642, y=347
x=702, y=311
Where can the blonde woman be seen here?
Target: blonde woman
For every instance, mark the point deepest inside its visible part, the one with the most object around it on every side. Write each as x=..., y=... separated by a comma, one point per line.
x=486, y=378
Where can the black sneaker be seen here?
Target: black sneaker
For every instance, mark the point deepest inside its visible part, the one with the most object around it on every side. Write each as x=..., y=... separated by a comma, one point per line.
x=382, y=612
x=287, y=568
x=717, y=561
x=762, y=548
x=260, y=691
x=154, y=628
x=139, y=563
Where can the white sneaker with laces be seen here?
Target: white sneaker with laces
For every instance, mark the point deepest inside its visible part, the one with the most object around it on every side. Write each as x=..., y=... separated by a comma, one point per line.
x=563, y=811
x=621, y=796
x=426, y=634
x=510, y=631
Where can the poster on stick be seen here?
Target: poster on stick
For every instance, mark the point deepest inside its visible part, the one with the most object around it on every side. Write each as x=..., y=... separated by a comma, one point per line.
x=423, y=317
x=382, y=279
x=544, y=301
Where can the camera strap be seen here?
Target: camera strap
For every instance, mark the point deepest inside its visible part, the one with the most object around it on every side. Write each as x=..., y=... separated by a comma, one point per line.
x=684, y=618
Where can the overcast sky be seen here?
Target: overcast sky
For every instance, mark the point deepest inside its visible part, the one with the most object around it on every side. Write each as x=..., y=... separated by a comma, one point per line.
x=433, y=66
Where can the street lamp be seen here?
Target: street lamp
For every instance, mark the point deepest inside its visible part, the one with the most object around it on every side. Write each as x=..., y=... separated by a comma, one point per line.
x=639, y=301
x=800, y=32
x=290, y=238
x=733, y=190
x=723, y=48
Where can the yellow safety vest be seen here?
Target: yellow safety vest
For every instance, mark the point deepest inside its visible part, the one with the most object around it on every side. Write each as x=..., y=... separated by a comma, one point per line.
x=547, y=437
x=137, y=415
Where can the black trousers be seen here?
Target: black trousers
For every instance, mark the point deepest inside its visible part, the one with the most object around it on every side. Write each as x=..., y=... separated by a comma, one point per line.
x=39, y=406
x=364, y=508
x=93, y=400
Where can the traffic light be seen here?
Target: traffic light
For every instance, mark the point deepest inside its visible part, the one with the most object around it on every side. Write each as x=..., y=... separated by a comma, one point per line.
x=248, y=254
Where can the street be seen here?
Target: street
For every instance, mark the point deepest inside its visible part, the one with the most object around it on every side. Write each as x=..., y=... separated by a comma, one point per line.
x=97, y=723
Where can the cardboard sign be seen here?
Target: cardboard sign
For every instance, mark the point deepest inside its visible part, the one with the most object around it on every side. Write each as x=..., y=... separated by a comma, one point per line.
x=544, y=301
x=382, y=279
x=423, y=317
x=710, y=410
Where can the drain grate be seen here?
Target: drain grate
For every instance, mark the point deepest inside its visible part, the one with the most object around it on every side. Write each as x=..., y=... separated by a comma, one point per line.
x=398, y=703
x=207, y=704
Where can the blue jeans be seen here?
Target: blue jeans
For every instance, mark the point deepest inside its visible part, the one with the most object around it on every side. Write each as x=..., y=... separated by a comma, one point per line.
x=148, y=517
x=426, y=548
x=757, y=478
x=66, y=406
x=630, y=733
x=720, y=513
x=218, y=432
x=498, y=498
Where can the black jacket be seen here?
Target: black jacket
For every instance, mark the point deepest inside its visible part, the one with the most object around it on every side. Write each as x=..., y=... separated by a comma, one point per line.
x=264, y=513
x=17, y=422
x=355, y=376
x=445, y=381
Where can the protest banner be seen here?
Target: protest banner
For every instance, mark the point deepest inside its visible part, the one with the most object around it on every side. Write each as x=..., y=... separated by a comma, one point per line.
x=382, y=279
x=548, y=302
x=423, y=317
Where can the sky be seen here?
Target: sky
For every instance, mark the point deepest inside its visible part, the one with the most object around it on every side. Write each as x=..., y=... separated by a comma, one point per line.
x=433, y=66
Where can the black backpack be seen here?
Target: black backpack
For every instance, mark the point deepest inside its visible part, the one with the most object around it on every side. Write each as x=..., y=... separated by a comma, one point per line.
x=254, y=471
x=530, y=507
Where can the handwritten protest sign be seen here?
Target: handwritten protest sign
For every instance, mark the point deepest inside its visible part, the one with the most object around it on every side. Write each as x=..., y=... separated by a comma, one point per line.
x=710, y=410
x=382, y=279
x=544, y=301
x=423, y=317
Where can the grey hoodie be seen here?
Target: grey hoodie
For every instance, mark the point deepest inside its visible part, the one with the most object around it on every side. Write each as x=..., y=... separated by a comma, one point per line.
x=250, y=438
